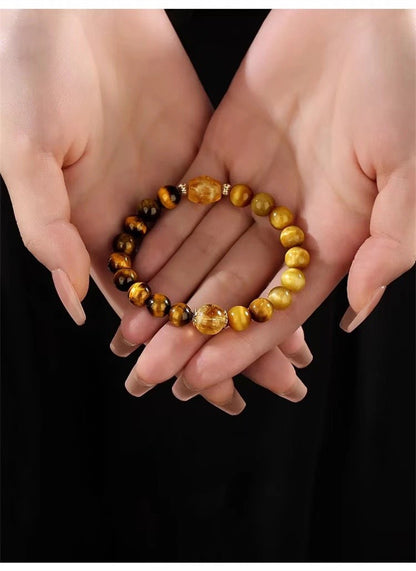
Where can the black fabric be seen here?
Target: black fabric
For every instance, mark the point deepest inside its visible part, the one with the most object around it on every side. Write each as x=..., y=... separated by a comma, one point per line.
x=89, y=473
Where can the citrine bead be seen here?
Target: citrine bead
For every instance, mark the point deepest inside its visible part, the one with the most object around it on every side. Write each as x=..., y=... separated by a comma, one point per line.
x=158, y=305
x=280, y=217
x=293, y=279
x=291, y=236
x=297, y=257
x=135, y=225
x=118, y=260
x=239, y=317
x=124, y=243
x=210, y=319
x=241, y=195
x=280, y=297
x=261, y=309
x=169, y=196
x=204, y=190
x=149, y=210
x=124, y=278
x=262, y=203
x=139, y=292
x=180, y=314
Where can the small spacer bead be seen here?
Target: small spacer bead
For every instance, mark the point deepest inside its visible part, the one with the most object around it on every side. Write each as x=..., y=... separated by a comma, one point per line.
x=183, y=187
x=226, y=189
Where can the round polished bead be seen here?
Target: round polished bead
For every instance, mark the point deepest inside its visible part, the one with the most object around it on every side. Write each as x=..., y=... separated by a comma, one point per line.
x=149, y=210
x=158, y=305
x=135, y=225
x=261, y=309
x=180, y=314
x=291, y=236
x=169, y=196
x=210, y=319
x=280, y=297
x=262, y=203
x=124, y=243
x=297, y=257
x=293, y=279
x=280, y=217
x=124, y=278
x=118, y=260
x=239, y=317
x=204, y=190
x=139, y=292
x=241, y=195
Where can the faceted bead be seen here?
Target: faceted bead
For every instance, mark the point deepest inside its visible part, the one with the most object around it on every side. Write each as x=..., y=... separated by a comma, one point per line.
x=149, y=210
x=169, y=196
x=204, y=190
x=210, y=319
x=293, y=279
x=280, y=217
x=261, y=309
x=135, y=225
x=280, y=297
x=118, y=260
x=239, y=317
x=125, y=243
x=297, y=257
x=180, y=314
x=262, y=203
x=139, y=292
x=124, y=278
x=291, y=236
x=241, y=195
x=158, y=305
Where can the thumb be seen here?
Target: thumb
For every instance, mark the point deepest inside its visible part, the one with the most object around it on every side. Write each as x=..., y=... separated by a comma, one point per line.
x=388, y=252
x=42, y=210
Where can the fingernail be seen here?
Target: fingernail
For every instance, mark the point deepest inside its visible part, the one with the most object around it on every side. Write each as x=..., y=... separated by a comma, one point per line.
x=235, y=406
x=352, y=320
x=181, y=391
x=302, y=358
x=120, y=346
x=136, y=386
x=68, y=296
x=296, y=393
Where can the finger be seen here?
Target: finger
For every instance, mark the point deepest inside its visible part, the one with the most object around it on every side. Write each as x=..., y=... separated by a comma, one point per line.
x=296, y=349
x=388, y=252
x=224, y=395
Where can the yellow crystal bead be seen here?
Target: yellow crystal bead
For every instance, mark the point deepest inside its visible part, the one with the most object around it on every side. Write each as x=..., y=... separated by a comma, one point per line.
x=291, y=236
x=210, y=319
x=280, y=217
x=204, y=190
x=280, y=297
x=297, y=257
x=293, y=279
x=261, y=309
x=239, y=317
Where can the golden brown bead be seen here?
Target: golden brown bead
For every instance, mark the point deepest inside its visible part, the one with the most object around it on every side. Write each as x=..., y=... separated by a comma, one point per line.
x=262, y=203
x=210, y=319
x=124, y=278
x=280, y=297
x=297, y=257
x=158, y=305
x=124, y=243
x=239, y=317
x=118, y=260
x=280, y=217
x=149, y=210
x=241, y=195
x=139, y=292
x=261, y=309
x=293, y=279
x=291, y=236
x=180, y=314
x=204, y=190
x=169, y=196
x=135, y=225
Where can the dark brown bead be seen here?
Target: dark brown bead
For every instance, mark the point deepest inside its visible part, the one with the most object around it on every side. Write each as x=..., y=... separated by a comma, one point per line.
x=149, y=210
x=169, y=196
x=125, y=243
x=158, y=305
x=118, y=260
x=139, y=292
x=180, y=314
x=135, y=225
x=124, y=278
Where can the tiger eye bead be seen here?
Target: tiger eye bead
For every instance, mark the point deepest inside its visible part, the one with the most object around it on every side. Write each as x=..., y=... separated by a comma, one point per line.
x=261, y=309
x=239, y=318
x=135, y=225
x=262, y=203
x=118, y=260
x=139, y=292
x=280, y=297
x=169, y=196
x=293, y=279
x=280, y=217
x=297, y=257
x=158, y=305
x=210, y=319
x=204, y=190
x=180, y=314
x=124, y=278
x=291, y=236
x=124, y=243
x=241, y=195
x=149, y=210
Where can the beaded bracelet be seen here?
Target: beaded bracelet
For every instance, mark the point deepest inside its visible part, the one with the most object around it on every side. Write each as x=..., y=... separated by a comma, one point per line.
x=209, y=319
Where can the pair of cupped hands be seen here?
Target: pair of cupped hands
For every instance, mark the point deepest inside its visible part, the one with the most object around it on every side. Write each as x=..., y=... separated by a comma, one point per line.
x=101, y=108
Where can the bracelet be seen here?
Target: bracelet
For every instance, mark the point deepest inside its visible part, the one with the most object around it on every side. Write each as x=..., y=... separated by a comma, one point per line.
x=209, y=319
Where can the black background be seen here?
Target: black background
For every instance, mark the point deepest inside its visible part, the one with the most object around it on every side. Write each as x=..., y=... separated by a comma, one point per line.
x=90, y=473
